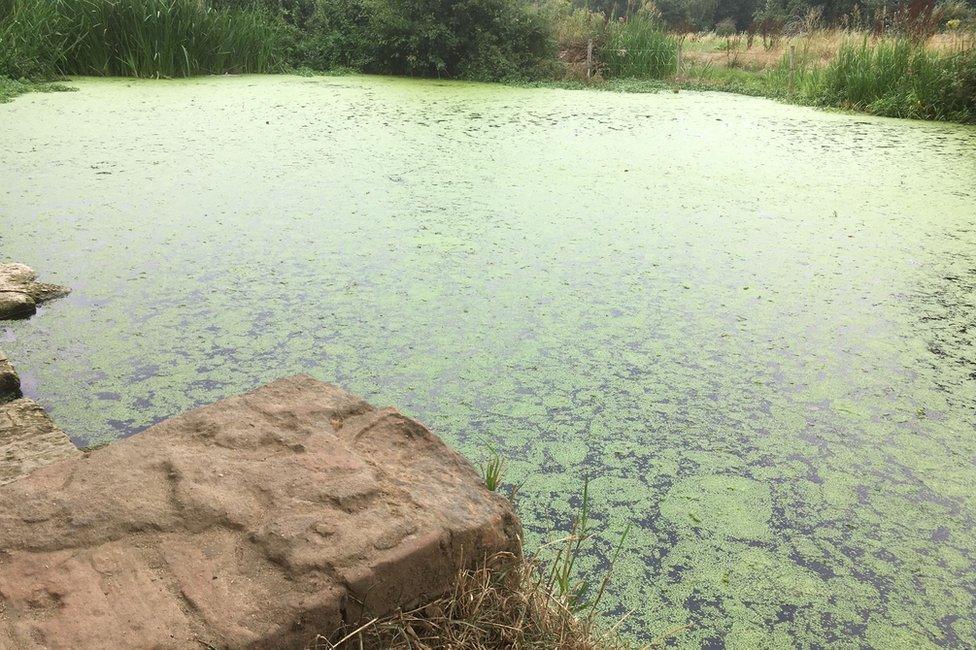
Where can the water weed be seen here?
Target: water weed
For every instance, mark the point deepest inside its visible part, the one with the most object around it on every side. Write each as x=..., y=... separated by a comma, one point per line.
x=493, y=469
x=10, y=88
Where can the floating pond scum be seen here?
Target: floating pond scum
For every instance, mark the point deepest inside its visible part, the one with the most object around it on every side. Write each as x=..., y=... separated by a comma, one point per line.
x=751, y=325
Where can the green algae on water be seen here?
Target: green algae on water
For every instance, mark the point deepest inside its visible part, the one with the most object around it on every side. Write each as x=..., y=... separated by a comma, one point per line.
x=749, y=324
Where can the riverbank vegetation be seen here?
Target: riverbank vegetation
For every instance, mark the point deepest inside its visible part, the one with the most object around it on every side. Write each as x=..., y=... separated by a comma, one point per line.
x=912, y=62
x=894, y=75
x=509, y=601
x=505, y=603
x=905, y=60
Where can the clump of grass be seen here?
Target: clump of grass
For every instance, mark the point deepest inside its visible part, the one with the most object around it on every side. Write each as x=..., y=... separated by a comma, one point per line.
x=507, y=601
x=139, y=38
x=493, y=469
x=497, y=606
x=639, y=48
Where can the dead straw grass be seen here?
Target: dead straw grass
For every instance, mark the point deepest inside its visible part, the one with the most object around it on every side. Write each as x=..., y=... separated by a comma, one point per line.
x=505, y=603
x=817, y=47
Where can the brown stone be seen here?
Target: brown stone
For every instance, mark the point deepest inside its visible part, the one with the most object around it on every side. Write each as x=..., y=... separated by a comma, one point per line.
x=257, y=522
x=20, y=293
x=28, y=440
x=9, y=381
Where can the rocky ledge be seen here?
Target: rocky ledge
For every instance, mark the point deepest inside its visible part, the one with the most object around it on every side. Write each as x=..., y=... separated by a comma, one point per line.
x=256, y=522
x=28, y=437
x=20, y=293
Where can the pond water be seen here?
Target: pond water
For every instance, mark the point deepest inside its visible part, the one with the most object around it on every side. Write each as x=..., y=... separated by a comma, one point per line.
x=751, y=325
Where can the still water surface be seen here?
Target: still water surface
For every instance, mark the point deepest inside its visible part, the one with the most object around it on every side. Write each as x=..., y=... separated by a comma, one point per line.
x=751, y=325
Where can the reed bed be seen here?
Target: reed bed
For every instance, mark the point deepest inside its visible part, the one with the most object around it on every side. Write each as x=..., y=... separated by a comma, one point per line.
x=898, y=78
x=909, y=71
x=138, y=38
x=639, y=48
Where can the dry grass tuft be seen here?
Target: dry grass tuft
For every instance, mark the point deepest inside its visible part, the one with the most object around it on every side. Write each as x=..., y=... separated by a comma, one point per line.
x=506, y=603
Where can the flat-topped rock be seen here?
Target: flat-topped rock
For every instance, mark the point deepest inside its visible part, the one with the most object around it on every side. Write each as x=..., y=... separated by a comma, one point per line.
x=257, y=522
x=20, y=292
x=28, y=440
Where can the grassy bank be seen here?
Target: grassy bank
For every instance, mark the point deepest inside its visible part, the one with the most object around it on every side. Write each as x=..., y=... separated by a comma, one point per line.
x=898, y=73
x=902, y=70
x=895, y=76
x=479, y=39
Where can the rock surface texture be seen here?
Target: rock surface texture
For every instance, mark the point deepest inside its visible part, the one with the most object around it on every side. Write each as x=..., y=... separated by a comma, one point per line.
x=20, y=293
x=256, y=522
x=28, y=437
x=28, y=440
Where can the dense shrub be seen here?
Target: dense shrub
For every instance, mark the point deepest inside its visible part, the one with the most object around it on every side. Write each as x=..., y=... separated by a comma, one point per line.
x=482, y=39
x=575, y=27
x=335, y=35
x=487, y=39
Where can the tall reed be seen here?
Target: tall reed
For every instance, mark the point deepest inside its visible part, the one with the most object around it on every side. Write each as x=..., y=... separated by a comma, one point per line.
x=901, y=78
x=140, y=38
x=640, y=48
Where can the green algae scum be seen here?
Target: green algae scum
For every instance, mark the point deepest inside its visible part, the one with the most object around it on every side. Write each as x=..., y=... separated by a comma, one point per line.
x=751, y=325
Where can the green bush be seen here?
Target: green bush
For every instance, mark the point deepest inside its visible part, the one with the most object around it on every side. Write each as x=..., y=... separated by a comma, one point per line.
x=957, y=10
x=574, y=27
x=336, y=36
x=480, y=39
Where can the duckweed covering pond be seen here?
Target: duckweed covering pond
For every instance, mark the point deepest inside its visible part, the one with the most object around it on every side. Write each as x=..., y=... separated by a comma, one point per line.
x=752, y=325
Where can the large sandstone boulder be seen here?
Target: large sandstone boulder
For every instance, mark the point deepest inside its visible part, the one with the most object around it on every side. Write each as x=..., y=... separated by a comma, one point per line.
x=255, y=522
x=20, y=293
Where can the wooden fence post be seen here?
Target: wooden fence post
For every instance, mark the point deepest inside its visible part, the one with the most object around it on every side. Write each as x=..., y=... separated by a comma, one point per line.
x=792, y=65
x=589, y=58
